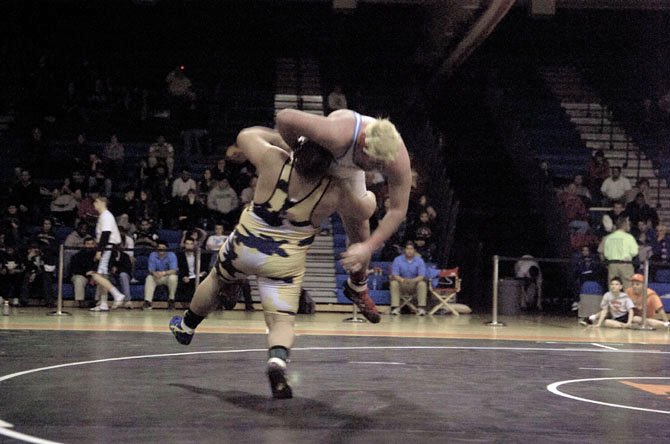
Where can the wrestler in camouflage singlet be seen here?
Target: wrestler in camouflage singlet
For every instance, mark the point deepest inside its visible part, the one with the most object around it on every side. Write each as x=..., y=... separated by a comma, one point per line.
x=271, y=242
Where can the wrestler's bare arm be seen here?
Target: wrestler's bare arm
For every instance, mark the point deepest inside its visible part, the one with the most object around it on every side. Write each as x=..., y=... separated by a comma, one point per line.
x=332, y=132
x=257, y=142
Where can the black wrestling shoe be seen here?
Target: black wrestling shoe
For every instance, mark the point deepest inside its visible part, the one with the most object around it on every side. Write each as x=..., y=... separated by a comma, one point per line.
x=278, y=382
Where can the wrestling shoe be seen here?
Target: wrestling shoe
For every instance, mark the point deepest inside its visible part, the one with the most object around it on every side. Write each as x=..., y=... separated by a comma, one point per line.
x=278, y=382
x=181, y=335
x=364, y=303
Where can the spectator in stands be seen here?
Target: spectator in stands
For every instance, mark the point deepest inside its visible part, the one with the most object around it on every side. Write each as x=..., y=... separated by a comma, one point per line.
x=12, y=225
x=187, y=269
x=336, y=99
x=99, y=97
x=35, y=149
x=239, y=169
x=408, y=277
x=99, y=181
x=163, y=152
x=63, y=206
x=582, y=190
x=39, y=274
x=198, y=235
x=643, y=234
x=205, y=184
x=161, y=192
x=11, y=273
x=220, y=171
x=656, y=316
x=86, y=211
x=26, y=194
x=82, y=264
x=145, y=236
x=609, y=218
x=78, y=182
x=163, y=270
x=46, y=236
x=638, y=210
x=527, y=269
x=641, y=186
x=126, y=210
x=574, y=210
x=619, y=249
x=247, y=194
x=72, y=114
x=660, y=244
x=113, y=156
x=223, y=203
x=182, y=184
x=616, y=308
x=214, y=243
x=587, y=268
x=614, y=188
x=194, y=124
x=178, y=85
x=74, y=240
x=546, y=180
x=599, y=170
x=121, y=268
x=80, y=151
x=147, y=208
x=190, y=211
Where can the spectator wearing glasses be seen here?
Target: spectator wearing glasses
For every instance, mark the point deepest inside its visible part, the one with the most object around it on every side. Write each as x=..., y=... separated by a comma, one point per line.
x=163, y=270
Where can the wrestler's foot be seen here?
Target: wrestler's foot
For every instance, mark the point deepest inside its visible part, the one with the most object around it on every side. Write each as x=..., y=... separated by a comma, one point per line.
x=278, y=382
x=364, y=303
x=181, y=335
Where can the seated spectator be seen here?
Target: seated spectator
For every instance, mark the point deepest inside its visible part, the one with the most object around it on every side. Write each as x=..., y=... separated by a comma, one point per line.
x=147, y=208
x=86, y=211
x=99, y=181
x=588, y=268
x=46, y=236
x=205, y=184
x=113, y=156
x=163, y=152
x=656, y=316
x=239, y=169
x=120, y=267
x=26, y=194
x=220, y=171
x=610, y=218
x=643, y=234
x=145, y=236
x=336, y=99
x=408, y=277
x=247, y=195
x=638, y=210
x=126, y=210
x=83, y=263
x=527, y=269
x=187, y=269
x=78, y=182
x=616, y=308
x=63, y=206
x=39, y=275
x=660, y=244
x=614, y=188
x=196, y=233
x=223, y=203
x=127, y=245
x=11, y=273
x=182, y=184
x=190, y=211
x=163, y=270
x=599, y=170
x=574, y=210
x=214, y=243
x=582, y=190
x=80, y=151
x=161, y=193
x=641, y=186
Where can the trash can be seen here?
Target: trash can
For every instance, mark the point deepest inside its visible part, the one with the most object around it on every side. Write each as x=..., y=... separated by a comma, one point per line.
x=509, y=296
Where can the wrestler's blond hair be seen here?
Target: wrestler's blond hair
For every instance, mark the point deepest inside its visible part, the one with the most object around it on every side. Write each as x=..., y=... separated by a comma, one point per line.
x=381, y=140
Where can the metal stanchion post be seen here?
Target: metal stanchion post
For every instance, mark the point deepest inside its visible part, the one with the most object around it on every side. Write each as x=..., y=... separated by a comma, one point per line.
x=59, y=303
x=494, y=322
x=355, y=317
x=643, y=324
x=197, y=266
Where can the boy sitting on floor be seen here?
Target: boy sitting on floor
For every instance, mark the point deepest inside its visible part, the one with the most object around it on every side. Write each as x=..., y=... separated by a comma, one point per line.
x=616, y=308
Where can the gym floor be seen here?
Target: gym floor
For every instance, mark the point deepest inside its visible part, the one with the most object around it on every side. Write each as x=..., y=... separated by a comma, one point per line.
x=121, y=377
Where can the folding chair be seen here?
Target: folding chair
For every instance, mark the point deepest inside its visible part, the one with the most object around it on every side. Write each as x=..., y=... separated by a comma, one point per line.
x=445, y=286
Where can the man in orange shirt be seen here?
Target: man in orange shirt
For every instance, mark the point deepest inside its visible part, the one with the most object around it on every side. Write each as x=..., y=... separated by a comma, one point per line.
x=656, y=316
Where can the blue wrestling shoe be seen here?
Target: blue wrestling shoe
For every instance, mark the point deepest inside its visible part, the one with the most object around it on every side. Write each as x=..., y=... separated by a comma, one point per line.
x=182, y=336
x=278, y=382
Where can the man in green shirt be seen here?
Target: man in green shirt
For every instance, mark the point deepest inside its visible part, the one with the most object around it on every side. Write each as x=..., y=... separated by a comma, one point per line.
x=619, y=248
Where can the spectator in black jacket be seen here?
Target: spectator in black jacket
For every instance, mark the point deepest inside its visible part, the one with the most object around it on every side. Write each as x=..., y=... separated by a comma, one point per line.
x=121, y=267
x=82, y=264
x=39, y=274
x=187, y=269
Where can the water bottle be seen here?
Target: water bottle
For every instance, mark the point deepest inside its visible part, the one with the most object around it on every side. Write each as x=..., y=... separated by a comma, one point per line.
x=5, y=308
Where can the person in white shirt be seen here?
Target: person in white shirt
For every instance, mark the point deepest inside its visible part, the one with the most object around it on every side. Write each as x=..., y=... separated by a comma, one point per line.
x=614, y=188
x=214, y=242
x=107, y=236
x=183, y=184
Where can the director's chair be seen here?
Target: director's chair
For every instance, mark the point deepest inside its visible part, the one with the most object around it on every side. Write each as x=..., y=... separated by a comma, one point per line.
x=445, y=285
